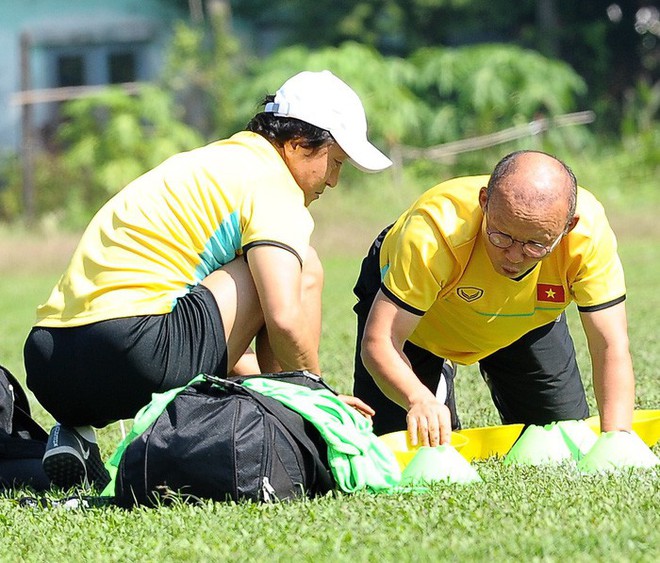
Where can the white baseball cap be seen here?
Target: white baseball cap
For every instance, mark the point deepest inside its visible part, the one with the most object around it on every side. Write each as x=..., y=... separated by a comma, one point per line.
x=325, y=101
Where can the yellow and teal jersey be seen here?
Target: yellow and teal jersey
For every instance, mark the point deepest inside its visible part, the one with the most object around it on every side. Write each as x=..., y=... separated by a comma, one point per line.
x=434, y=263
x=171, y=227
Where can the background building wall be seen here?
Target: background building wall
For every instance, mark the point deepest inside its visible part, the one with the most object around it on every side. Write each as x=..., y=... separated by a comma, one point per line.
x=93, y=42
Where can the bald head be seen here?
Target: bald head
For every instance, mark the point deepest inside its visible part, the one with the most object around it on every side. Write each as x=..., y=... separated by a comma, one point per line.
x=533, y=183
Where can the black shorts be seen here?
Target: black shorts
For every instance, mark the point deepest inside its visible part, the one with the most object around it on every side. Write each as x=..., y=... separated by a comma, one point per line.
x=535, y=380
x=106, y=371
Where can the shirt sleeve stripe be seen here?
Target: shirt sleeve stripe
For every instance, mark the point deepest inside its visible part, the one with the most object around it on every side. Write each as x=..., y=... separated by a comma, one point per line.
x=602, y=306
x=400, y=303
x=272, y=243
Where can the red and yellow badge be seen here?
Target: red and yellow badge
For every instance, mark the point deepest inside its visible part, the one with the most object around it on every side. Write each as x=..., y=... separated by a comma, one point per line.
x=549, y=292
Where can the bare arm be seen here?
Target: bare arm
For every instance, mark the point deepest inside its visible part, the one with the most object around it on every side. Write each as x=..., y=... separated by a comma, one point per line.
x=388, y=327
x=613, y=377
x=277, y=275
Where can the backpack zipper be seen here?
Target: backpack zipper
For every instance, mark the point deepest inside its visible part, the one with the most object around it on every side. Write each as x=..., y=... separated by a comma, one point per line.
x=11, y=392
x=268, y=492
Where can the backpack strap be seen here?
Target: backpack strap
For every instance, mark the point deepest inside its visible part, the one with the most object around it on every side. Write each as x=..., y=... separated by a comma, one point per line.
x=24, y=422
x=17, y=407
x=358, y=459
x=302, y=377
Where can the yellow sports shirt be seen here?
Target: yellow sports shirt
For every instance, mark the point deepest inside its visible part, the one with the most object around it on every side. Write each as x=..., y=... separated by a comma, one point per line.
x=434, y=264
x=170, y=228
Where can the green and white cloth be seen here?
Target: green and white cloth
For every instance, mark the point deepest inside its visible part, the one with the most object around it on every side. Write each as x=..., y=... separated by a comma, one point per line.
x=357, y=458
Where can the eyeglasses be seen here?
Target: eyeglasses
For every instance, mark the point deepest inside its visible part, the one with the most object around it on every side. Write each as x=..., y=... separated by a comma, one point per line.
x=530, y=248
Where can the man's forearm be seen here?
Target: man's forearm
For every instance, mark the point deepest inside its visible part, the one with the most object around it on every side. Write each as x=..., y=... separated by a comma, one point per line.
x=394, y=376
x=614, y=387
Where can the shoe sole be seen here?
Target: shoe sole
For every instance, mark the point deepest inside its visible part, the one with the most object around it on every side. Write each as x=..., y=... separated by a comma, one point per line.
x=64, y=467
x=97, y=473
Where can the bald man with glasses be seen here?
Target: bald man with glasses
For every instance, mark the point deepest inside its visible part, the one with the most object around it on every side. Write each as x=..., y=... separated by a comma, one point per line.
x=480, y=270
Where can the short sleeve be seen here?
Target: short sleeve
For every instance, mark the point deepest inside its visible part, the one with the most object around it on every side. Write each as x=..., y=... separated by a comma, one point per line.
x=418, y=264
x=277, y=215
x=596, y=271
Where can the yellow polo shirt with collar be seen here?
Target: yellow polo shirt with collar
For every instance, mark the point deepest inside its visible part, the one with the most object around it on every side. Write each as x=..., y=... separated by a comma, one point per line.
x=434, y=264
x=170, y=228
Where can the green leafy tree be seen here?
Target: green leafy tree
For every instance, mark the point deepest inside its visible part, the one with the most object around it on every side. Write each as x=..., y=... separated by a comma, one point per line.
x=393, y=110
x=113, y=137
x=611, y=44
x=204, y=63
x=474, y=90
x=438, y=94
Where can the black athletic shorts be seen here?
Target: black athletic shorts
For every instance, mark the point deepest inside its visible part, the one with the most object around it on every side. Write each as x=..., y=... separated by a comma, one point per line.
x=535, y=380
x=106, y=371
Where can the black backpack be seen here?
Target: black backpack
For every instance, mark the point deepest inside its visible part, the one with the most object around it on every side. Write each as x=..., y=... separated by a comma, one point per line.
x=222, y=441
x=22, y=440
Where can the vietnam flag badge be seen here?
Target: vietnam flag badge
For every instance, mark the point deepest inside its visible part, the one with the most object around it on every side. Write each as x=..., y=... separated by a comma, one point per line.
x=550, y=293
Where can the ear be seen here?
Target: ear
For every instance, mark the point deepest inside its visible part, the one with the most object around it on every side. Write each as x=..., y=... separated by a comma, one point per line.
x=296, y=148
x=291, y=146
x=483, y=199
x=573, y=222
x=295, y=144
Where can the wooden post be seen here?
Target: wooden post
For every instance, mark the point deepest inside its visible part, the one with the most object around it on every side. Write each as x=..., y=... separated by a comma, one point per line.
x=546, y=13
x=27, y=148
x=196, y=11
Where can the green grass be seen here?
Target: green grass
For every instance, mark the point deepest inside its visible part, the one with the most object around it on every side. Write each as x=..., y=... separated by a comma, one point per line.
x=528, y=514
x=516, y=514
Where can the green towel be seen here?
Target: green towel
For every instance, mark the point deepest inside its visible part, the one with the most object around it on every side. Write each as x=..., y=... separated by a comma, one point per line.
x=358, y=459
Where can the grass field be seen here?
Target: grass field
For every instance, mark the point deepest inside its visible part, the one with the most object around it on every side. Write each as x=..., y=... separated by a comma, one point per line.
x=516, y=514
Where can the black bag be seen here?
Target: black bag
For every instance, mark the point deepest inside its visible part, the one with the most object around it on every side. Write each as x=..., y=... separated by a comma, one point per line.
x=220, y=440
x=22, y=440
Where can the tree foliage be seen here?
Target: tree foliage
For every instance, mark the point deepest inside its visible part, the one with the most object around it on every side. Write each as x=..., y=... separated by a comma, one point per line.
x=450, y=84
x=607, y=42
x=478, y=89
x=436, y=95
x=203, y=65
x=113, y=137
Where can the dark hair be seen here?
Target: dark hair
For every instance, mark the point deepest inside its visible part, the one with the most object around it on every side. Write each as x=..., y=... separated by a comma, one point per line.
x=508, y=165
x=278, y=130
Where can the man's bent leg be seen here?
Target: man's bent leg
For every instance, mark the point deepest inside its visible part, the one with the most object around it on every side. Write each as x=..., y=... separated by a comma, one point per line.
x=389, y=416
x=234, y=291
x=536, y=380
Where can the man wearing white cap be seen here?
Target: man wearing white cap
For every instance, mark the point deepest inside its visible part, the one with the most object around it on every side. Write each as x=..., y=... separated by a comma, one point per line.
x=184, y=267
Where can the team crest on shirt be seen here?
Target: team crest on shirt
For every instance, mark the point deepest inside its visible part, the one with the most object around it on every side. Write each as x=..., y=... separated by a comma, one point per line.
x=469, y=294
